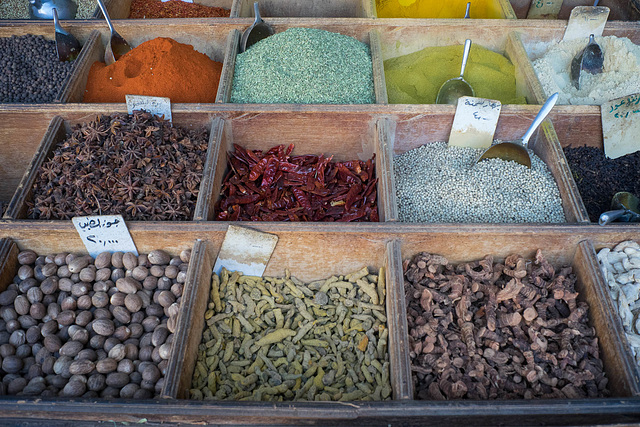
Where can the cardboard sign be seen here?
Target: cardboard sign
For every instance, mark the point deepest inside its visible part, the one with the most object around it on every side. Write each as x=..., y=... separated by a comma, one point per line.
x=104, y=233
x=544, y=9
x=475, y=122
x=153, y=104
x=621, y=125
x=586, y=20
x=245, y=250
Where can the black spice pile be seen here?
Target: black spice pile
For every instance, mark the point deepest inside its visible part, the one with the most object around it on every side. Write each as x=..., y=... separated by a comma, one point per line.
x=599, y=178
x=484, y=330
x=137, y=166
x=30, y=71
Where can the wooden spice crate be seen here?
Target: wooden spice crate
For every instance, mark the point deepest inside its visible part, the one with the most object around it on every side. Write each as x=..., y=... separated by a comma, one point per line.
x=313, y=251
x=300, y=8
x=619, y=10
x=59, y=129
x=88, y=39
x=120, y=9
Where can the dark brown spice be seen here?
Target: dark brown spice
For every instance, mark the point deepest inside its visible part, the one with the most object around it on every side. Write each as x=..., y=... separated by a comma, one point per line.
x=138, y=166
x=598, y=178
x=485, y=330
x=152, y=9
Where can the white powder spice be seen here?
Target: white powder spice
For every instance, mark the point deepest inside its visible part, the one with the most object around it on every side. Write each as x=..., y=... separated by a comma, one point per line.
x=620, y=76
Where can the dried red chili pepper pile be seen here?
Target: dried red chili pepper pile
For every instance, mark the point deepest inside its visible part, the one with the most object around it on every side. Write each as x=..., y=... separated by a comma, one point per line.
x=152, y=9
x=275, y=186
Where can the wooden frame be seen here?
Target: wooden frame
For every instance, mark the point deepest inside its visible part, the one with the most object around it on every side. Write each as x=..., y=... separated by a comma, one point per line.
x=619, y=10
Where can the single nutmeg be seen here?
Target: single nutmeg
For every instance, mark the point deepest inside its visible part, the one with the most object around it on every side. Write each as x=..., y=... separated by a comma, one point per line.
x=173, y=310
x=185, y=255
x=104, y=327
x=34, y=295
x=166, y=298
x=164, y=351
x=60, y=259
x=77, y=264
x=100, y=299
x=117, y=379
x=49, y=269
x=172, y=323
x=8, y=297
x=140, y=273
x=116, y=260
x=71, y=348
x=103, y=260
x=130, y=260
x=74, y=389
x=96, y=382
x=156, y=271
x=84, y=302
x=12, y=364
x=160, y=335
x=87, y=274
x=84, y=317
x=128, y=285
x=117, y=352
x=103, y=274
x=38, y=311
x=25, y=272
x=171, y=271
x=133, y=302
x=118, y=298
x=81, y=367
x=106, y=366
x=122, y=333
x=121, y=314
x=159, y=257
x=27, y=257
x=21, y=305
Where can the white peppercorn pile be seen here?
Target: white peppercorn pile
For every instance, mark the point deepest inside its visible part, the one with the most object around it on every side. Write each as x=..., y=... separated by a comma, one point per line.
x=306, y=66
x=30, y=71
x=437, y=183
x=73, y=326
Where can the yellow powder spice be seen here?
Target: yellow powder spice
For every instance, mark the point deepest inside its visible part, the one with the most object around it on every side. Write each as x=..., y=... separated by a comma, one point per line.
x=480, y=9
x=417, y=77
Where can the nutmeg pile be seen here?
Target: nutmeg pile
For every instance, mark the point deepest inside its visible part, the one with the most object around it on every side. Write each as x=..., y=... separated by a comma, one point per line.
x=485, y=330
x=76, y=326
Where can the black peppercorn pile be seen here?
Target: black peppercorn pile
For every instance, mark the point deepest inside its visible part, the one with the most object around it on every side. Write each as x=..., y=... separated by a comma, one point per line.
x=599, y=178
x=137, y=166
x=30, y=71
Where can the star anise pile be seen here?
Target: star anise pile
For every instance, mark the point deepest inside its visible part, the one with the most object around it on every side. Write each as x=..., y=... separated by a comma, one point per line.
x=135, y=165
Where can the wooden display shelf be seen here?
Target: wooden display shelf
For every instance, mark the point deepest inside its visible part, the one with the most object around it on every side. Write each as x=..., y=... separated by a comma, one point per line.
x=620, y=10
x=312, y=251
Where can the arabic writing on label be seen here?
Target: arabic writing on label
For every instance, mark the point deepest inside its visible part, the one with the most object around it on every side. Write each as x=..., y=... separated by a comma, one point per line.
x=104, y=233
x=626, y=107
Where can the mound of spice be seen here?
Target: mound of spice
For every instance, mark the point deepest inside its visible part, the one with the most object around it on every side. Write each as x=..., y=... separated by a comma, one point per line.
x=480, y=9
x=619, y=76
x=137, y=166
x=281, y=339
x=276, y=186
x=157, y=67
x=598, y=178
x=152, y=9
x=487, y=330
x=31, y=71
x=417, y=77
x=306, y=66
x=77, y=326
x=437, y=183
x=19, y=9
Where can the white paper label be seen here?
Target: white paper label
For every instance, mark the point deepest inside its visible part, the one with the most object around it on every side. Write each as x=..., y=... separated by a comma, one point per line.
x=621, y=125
x=153, y=104
x=544, y=9
x=245, y=250
x=475, y=122
x=104, y=233
x=584, y=21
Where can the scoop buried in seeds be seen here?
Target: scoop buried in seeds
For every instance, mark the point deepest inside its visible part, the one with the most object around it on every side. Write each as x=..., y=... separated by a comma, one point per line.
x=624, y=207
x=456, y=87
x=43, y=9
x=590, y=60
x=257, y=31
x=117, y=45
x=516, y=151
x=67, y=46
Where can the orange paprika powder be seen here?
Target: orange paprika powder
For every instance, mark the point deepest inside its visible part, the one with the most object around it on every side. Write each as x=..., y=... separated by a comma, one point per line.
x=158, y=67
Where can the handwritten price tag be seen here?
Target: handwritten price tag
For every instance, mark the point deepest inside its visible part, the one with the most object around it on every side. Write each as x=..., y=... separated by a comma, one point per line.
x=621, y=125
x=475, y=122
x=544, y=9
x=104, y=233
x=586, y=20
x=153, y=104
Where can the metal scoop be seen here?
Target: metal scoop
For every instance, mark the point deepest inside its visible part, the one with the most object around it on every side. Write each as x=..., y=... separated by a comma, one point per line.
x=466, y=13
x=590, y=60
x=456, y=87
x=67, y=46
x=624, y=207
x=257, y=31
x=117, y=45
x=516, y=151
x=43, y=9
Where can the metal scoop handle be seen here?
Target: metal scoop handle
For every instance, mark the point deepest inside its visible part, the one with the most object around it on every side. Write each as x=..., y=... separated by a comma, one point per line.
x=56, y=23
x=465, y=56
x=542, y=114
x=106, y=16
x=625, y=214
x=466, y=13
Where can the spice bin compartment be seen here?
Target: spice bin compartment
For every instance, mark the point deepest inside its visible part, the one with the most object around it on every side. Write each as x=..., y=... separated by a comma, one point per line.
x=60, y=129
x=487, y=9
x=341, y=136
x=371, y=38
x=121, y=9
x=325, y=9
x=88, y=298
x=619, y=10
x=209, y=40
x=88, y=41
x=411, y=132
x=309, y=257
x=558, y=250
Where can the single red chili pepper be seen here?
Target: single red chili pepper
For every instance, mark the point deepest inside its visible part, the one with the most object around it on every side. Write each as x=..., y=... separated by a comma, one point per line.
x=289, y=149
x=288, y=167
x=352, y=196
x=269, y=172
x=258, y=169
x=273, y=151
x=352, y=216
x=302, y=199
